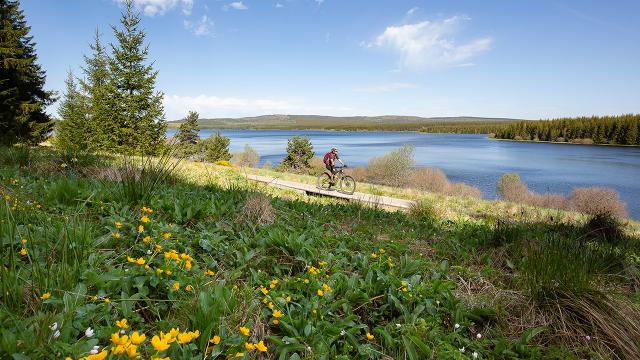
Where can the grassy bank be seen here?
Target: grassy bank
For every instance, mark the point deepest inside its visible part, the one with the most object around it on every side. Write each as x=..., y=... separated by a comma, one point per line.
x=205, y=263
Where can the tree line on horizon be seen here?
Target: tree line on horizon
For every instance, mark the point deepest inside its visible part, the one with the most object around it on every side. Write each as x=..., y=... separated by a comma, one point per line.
x=615, y=130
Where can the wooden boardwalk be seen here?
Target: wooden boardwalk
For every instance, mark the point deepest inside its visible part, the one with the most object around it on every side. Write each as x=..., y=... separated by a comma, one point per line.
x=374, y=200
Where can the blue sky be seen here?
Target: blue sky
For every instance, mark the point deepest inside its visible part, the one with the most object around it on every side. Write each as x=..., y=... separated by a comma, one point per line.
x=524, y=59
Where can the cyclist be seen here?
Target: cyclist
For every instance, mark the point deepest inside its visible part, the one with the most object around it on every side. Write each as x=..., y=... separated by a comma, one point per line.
x=330, y=163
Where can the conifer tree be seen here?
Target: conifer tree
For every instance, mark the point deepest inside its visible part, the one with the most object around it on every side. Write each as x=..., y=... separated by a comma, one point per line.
x=187, y=136
x=73, y=127
x=22, y=97
x=94, y=86
x=134, y=106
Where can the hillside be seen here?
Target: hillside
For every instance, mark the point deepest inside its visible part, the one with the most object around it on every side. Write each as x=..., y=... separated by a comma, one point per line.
x=387, y=122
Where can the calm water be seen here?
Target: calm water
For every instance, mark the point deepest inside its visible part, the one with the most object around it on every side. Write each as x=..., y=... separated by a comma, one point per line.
x=473, y=159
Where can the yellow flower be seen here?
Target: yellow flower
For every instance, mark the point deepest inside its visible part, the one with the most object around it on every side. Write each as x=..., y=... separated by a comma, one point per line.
x=320, y=292
x=167, y=235
x=215, y=340
x=261, y=346
x=245, y=331
x=159, y=271
x=381, y=251
x=264, y=300
x=306, y=281
x=160, y=358
x=404, y=289
x=144, y=219
x=168, y=272
x=159, y=344
x=147, y=267
x=132, y=351
x=322, y=263
x=118, y=225
x=209, y=273
x=270, y=305
x=288, y=299
x=176, y=286
x=374, y=255
x=277, y=313
x=370, y=337
x=184, y=338
x=158, y=248
x=45, y=296
x=239, y=354
x=116, y=235
x=137, y=338
x=187, y=264
x=23, y=252
x=122, y=324
x=24, y=241
x=188, y=288
x=276, y=321
x=313, y=270
x=147, y=239
x=264, y=290
x=249, y=346
x=140, y=261
x=116, y=339
x=106, y=300
x=99, y=356
x=140, y=228
x=326, y=287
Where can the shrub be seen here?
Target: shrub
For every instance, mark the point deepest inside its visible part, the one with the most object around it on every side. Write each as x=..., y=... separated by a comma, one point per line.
x=552, y=201
x=139, y=177
x=299, y=153
x=463, y=190
x=257, y=209
x=248, y=157
x=511, y=188
x=424, y=210
x=267, y=165
x=393, y=168
x=429, y=179
x=215, y=147
x=316, y=166
x=604, y=227
x=597, y=201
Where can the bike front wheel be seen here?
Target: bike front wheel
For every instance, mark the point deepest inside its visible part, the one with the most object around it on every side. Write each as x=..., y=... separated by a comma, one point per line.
x=348, y=184
x=324, y=181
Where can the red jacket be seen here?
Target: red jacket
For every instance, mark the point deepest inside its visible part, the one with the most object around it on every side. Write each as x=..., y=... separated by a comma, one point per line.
x=330, y=156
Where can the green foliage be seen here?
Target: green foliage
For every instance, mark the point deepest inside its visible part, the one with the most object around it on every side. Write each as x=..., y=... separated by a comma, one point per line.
x=393, y=168
x=299, y=153
x=187, y=137
x=215, y=148
x=73, y=129
x=622, y=130
x=139, y=177
x=22, y=98
x=248, y=157
x=135, y=107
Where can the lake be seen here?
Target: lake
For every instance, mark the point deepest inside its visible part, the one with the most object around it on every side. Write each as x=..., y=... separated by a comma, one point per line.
x=473, y=159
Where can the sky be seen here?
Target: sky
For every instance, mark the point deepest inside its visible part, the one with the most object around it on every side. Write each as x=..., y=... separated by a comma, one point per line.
x=526, y=59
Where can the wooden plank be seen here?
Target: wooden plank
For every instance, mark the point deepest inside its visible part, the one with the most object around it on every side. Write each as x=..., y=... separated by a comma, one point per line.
x=356, y=196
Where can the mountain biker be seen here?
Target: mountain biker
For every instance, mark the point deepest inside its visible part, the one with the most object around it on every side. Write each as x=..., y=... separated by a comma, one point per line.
x=330, y=162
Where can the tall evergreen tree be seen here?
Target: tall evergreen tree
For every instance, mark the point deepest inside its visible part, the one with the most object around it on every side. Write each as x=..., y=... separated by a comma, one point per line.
x=134, y=106
x=94, y=86
x=188, y=130
x=73, y=127
x=22, y=97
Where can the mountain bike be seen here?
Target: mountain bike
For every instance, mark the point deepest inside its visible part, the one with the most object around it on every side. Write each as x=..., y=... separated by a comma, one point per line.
x=346, y=184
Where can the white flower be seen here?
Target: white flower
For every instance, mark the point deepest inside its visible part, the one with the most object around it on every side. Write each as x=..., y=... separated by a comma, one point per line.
x=587, y=337
x=398, y=326
x=438, y=302
x=462, y=349
x=56, y=334
x=95, y=350
x=479, y=336
x=89, y=332
x=149, y=252
x=456, y=326
x=474, y=355
x=122, y=331
x=53, y=326
x=342, y=332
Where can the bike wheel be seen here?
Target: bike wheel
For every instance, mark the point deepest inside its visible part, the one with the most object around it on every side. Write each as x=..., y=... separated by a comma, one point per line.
x=324, y=181
x=348, y=184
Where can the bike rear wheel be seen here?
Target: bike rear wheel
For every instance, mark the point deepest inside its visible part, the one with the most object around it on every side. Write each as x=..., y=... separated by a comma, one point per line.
x=324, y=181
x=348, y=184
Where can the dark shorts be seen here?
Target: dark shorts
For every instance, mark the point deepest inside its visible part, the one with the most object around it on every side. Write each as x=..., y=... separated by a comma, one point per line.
x=330, y=168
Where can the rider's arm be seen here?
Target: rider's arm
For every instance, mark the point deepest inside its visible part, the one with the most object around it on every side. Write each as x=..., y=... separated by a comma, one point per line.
x=341, y=161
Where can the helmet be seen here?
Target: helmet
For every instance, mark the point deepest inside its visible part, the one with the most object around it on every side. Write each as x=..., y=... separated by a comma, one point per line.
x=334, y=149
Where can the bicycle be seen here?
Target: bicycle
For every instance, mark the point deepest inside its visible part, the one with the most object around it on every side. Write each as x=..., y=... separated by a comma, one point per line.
x=346, y=184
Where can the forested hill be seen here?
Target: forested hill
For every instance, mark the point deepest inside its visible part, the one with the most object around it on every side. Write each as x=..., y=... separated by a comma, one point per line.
x=618, y=130
x=387, y=122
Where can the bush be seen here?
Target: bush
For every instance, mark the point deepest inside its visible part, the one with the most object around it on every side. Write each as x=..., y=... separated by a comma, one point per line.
x=215, y=147
x=604, y=227
x=429, y=179
x=463, y=190
x=511, y=188
x=597, y=201
x=248, y=157
x=424, y=210
x=316, y=166
x=393, y=168
x=299, y=153
x=257, y=209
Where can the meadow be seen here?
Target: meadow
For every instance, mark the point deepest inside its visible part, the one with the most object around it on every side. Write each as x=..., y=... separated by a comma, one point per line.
x=121, y=257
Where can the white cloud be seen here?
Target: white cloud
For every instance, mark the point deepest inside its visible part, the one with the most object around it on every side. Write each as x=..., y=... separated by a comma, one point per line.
x=430, y=43
x=319, y=2
x=279, y=5
x=160, y=7
x=412, y=10
x=201, y=27
x=386, y=87
x=236, y=5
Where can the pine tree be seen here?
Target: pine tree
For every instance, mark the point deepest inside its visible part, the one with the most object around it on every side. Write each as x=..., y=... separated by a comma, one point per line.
x=187, y=136
x=94, y=85
x=133, y=104
x=216, y=148
x=73, y=127
x=22, y=98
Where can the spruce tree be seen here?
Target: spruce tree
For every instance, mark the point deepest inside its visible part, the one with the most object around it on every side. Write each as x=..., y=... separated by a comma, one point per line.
x=188, y=130
x=94, y=86
x=73, y=127
x=133, y=104
x=22, y=97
